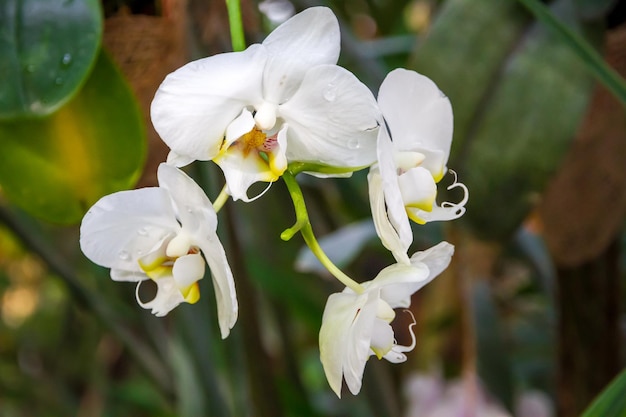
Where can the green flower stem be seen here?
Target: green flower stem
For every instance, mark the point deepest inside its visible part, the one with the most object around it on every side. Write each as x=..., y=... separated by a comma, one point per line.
x=590, y=57
x=303, y=225
x=220, y=200
x=236, y=25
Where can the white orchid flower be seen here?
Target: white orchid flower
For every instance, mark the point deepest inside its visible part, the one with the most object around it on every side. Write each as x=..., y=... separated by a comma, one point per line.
x=162, y=233
x=403, y=184
x=254, y=112
x=356, y=326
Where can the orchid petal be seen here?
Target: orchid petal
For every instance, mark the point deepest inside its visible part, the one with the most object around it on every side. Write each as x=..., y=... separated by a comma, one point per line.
x=436, y=258
x=168, y=297
x=445, y=211
x=223, y=283
x=241, y=171
x=359, y=343
x=422, y=117
x=122, y=227
x=333, y=119
x=195, y=104
x=121, y=275
x=388, y=234
x=338, y=343
x=177, y=160
x=393, y=201
x=193, y=207
x=398, y=282
x=188, y=269
x=243, y=124
x=418, y=189
x=308, y=39
x=382, y=338
x=200, y=221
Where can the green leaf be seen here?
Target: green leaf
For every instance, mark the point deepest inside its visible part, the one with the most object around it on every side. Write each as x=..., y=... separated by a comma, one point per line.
x=58, y=166
x=518, y=93
x=48, y=48
x=587, y=54
x=611, y=402
x=494, y=363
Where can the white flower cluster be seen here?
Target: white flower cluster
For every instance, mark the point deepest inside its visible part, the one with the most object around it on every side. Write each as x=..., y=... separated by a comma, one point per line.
x=257, y=113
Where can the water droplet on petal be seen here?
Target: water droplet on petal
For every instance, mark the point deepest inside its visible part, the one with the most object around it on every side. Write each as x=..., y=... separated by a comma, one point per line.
x=142, y=231
x=330, y=94
x=354, y=144
x=67, y=59
x=442, y=94
x=123, y=255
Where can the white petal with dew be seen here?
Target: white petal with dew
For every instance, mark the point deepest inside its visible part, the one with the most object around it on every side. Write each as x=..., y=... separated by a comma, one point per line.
x=123, y=226
x=333, y=119
x=193, y=207
x=308, y=39
x=194, y=105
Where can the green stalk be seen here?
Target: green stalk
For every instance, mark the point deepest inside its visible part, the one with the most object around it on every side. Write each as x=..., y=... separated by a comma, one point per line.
x=590, y=57
x=303, y=225
x=236, y=25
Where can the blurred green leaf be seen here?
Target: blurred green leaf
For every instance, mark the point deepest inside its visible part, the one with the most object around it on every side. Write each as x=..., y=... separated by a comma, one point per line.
x=465, y=50
x=588, y=55
x=611, y=402
x=494, y=364
x=47, y=49
x=593, y=9
x=58, y=166
x=518, y=94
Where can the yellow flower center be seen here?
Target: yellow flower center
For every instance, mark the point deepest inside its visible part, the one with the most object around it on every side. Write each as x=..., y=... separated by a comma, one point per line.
x=253, y=140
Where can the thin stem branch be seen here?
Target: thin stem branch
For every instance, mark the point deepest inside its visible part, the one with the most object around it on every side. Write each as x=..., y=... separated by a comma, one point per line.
x=303, y=225
x=221, y=199
x=236, y=25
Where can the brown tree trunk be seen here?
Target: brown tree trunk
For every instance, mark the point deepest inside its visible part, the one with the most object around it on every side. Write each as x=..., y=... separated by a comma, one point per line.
x=589, y=337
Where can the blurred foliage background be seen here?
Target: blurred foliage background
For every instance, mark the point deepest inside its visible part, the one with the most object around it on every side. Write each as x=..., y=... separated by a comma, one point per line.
x=528, y=321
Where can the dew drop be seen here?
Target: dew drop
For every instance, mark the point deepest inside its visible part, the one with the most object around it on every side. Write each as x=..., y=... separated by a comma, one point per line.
x=67, y=59
x=442, y=94
x=354, y=144
x=330, y=94
x=123, y=255
x=36, y=106
x=142, y=231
